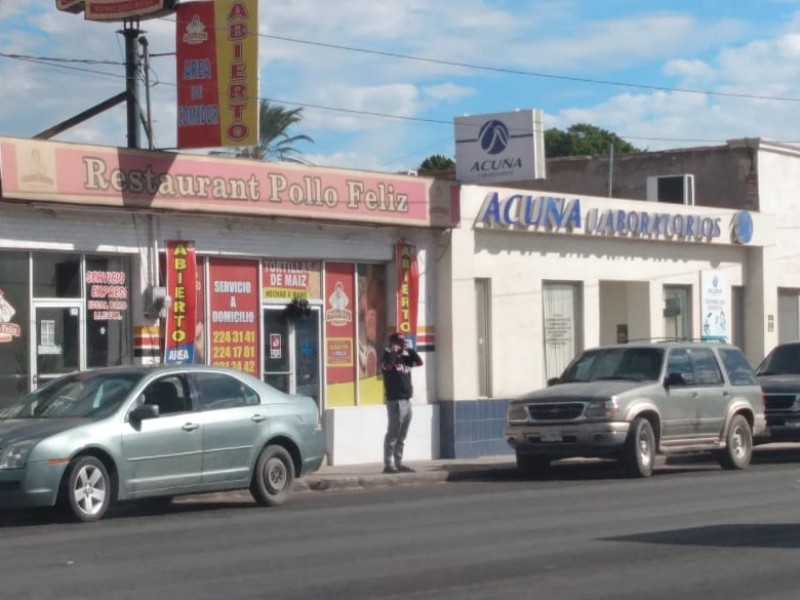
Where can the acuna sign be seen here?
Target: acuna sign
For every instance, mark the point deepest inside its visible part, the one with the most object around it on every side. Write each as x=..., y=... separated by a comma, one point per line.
x=563, y=215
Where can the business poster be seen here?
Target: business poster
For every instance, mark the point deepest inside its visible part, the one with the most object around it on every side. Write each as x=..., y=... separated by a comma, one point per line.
x=407, y=291
x=286, y=279
x=715, y=306
x=340, y=332
x=371, y=282
x=181, y=280
x=234, y=314
x=217, y=69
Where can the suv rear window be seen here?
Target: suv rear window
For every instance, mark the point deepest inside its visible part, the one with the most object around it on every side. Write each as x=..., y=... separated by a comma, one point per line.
x=739, y=370
x=783, y=360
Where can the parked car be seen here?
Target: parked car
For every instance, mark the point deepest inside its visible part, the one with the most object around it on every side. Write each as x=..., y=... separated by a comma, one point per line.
x=633, y=401
x=779, y=376
x=89, y=439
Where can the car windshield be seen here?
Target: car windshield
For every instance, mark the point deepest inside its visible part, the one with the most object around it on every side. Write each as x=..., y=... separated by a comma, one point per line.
x=783, y=360
x=630, y=364
x=80, y=395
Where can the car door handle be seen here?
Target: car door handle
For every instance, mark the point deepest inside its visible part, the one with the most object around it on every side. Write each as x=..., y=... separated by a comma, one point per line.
x=694, y=394
x=190, y=426
x=258, y=418
x=726, y=393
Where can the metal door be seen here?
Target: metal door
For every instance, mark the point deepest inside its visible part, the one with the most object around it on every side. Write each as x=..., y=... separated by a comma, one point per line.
x=59, y=341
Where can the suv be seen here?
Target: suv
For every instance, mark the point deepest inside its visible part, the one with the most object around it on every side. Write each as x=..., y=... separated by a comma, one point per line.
x=779, y=376
x=631, y=401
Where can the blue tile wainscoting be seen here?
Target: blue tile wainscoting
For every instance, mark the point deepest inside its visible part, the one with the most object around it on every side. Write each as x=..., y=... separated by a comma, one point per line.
x=472, y=428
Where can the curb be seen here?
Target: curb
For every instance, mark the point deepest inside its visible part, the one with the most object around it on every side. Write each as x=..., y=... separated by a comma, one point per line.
x=344, y=482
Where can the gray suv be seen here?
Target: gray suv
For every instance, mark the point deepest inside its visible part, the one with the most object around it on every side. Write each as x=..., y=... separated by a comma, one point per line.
x=634, y=400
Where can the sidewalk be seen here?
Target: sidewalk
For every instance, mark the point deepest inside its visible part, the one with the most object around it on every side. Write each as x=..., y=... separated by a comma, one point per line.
x=371, y=475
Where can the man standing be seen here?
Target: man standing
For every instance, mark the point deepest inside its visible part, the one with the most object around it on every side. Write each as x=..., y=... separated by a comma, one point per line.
x=396, y=364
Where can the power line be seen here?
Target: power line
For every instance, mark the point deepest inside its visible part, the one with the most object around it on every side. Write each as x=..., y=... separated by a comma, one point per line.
x=51, y=59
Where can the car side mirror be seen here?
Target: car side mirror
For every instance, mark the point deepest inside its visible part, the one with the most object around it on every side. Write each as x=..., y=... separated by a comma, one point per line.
x=553, y=381
x=674, y=379
x=143, y=412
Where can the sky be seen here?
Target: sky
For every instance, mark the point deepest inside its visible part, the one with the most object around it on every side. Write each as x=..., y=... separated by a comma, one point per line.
x=380, y=81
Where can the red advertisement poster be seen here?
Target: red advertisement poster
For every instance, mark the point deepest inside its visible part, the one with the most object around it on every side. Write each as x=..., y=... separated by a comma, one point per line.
x=198, y=92
x=407, y=291
x=179, y=337
x=234, y=314
x=217, y=67
x=200, y=338
x=340, y=329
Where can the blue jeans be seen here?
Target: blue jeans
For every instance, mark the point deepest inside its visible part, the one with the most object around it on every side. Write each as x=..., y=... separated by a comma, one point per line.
x=399, y=414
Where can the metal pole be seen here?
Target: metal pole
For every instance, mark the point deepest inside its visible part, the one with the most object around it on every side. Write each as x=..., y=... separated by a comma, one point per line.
x=149, y=123
x=611, y=171
x=131, y=32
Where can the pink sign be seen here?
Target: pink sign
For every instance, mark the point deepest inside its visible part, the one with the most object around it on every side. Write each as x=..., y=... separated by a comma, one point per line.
x=66, y=173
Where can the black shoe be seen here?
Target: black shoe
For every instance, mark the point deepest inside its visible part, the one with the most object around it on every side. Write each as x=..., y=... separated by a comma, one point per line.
x=405, y=469
x=389, y=469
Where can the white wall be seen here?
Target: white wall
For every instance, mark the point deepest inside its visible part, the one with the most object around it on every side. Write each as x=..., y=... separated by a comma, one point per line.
x=518, y=261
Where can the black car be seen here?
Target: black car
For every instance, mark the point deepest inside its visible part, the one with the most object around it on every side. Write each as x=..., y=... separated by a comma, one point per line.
x=779, y=376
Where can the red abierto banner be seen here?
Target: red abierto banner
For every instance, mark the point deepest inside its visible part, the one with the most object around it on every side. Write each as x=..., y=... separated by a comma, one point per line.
x=340, y=327
x=179, y=338
x=407, y=291
x=217, y=67
x=234, y=316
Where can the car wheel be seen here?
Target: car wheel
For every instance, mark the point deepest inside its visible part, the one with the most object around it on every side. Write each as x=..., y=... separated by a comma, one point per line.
x=639, y=454
x=531, y=465
x=88, y=489
x=738, y=445
x=273, y=477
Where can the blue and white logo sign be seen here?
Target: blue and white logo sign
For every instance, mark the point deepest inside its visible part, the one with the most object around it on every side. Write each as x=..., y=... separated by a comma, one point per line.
x=493, y=136
x=500, y=148
x=742, y=227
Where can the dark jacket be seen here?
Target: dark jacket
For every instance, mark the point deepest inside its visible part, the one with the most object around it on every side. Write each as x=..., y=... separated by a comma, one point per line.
x=397, y=372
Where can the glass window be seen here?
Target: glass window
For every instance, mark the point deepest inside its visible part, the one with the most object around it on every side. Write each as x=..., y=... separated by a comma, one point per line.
x=108, y=314
x=562, y=306
x=216, y=390
x=634, y=364
x=14, y=321
x=56, y=275
x=679, y=362
x=706, y=369
x=169, y=394
x=677, y=317
x=81, y=395
x=783, y=360
x=739, y=370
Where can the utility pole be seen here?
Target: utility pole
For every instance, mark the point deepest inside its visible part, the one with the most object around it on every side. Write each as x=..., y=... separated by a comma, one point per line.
x=131, y=32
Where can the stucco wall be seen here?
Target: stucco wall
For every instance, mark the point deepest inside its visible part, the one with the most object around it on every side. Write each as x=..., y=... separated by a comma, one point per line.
x=518, y=262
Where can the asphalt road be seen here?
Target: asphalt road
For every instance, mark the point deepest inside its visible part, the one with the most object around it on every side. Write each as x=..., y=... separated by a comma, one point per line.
x=689, y=532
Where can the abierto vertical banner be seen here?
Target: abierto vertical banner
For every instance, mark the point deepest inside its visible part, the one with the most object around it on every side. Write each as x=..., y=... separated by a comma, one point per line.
x=217, y=68
x=407, y=291
x=179, y=337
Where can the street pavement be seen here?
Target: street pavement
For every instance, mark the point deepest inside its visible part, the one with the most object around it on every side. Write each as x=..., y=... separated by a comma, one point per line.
x=486, y=468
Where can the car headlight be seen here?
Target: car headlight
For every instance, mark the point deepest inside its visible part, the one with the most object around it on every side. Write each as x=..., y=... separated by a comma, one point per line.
x=517, y=412
x=601, y=410
x=15, y=455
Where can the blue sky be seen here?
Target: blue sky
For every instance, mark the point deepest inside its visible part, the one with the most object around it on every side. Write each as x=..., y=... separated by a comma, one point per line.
x=474, y=57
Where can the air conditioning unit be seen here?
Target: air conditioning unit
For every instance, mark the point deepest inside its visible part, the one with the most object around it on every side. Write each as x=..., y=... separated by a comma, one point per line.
x=672, y=189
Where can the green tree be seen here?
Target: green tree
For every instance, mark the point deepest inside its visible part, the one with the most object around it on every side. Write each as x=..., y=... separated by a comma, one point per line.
x=275, y=142
x=583, y=139
x=436, y=163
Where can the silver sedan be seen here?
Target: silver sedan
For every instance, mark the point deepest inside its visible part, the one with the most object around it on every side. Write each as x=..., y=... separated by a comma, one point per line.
x=89, y=439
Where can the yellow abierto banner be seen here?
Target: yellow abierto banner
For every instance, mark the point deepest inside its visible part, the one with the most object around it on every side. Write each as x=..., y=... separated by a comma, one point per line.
x=236, y=24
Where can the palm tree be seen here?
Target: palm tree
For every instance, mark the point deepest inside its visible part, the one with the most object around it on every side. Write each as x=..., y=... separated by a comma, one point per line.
x=274, y=142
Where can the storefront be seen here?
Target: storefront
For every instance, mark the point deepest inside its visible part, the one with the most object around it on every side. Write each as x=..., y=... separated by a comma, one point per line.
x=287, y=272
x=532, y=278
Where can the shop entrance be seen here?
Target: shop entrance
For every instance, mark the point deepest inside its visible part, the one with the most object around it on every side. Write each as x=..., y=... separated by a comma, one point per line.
x=291, y=352
x=58, y=344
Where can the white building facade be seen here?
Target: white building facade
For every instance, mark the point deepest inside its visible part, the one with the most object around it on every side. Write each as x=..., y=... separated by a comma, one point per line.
x=531, y=278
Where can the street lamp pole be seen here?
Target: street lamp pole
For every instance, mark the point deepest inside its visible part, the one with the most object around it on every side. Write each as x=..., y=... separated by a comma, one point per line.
x=131, y=32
